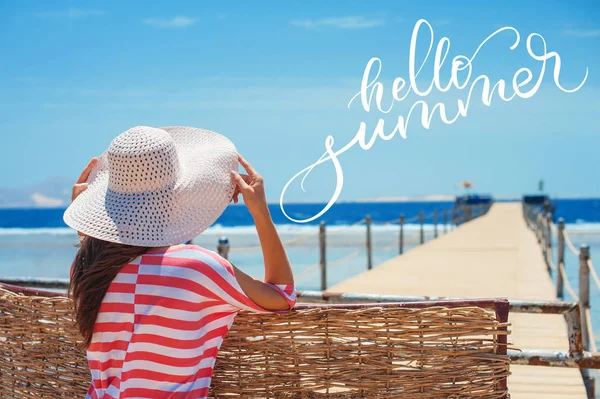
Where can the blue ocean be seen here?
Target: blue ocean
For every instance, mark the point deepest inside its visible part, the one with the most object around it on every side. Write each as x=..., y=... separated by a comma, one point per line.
x=36, y=242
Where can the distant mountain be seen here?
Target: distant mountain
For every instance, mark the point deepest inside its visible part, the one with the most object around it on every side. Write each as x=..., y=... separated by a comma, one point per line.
x=51, y=193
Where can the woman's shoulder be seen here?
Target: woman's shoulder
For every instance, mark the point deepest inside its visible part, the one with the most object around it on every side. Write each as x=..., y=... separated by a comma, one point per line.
x=189, y=255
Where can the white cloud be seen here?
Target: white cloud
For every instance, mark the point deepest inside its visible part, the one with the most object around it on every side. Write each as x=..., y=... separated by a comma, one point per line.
x=173, y=23
x=72, y=13
x=45, y=201
x=355, y=22
x=582, y=32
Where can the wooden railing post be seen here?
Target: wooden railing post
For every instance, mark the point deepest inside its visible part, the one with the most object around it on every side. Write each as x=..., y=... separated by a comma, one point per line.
x=323, y=255
x=435, y=223
x=422, y=234
x=538, y=216
x=223, y=247
x=445, y=219
x=401, y=237
x=560, y=257
x=369, y=247
x=584, y=294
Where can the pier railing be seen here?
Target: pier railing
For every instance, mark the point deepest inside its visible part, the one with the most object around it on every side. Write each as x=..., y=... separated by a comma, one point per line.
x=542, y=224
x=442, y=221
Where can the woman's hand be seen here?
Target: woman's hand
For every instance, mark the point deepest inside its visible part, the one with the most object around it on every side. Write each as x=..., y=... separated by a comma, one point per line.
x=81, y=183
x=252, y=188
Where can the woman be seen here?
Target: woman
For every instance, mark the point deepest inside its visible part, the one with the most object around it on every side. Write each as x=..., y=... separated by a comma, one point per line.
x=152, y=311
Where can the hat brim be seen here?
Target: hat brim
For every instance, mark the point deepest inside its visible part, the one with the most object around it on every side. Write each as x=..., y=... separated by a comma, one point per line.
x=173, y=215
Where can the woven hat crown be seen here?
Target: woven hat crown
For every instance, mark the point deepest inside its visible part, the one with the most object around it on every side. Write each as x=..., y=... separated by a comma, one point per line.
x=142, y=159
x=156, y=187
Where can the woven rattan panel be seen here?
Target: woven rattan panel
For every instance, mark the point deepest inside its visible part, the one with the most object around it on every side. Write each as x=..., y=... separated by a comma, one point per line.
x=378, y=351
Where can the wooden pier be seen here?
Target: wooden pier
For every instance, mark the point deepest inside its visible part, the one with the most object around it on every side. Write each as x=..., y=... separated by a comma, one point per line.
x=495, y=255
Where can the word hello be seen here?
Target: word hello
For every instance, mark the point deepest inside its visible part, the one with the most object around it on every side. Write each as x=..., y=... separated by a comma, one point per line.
x=372, y=90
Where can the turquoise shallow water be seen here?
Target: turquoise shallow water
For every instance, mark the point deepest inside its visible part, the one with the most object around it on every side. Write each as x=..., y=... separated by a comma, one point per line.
x=49, y=252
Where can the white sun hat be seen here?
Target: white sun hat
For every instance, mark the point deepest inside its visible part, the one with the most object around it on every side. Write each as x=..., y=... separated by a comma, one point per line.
x=156, y=187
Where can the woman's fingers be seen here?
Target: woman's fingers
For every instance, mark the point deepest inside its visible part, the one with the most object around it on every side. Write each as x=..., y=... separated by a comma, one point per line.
x=81, y=183
x=241, y=183
x=247, y=167
x=86, y=172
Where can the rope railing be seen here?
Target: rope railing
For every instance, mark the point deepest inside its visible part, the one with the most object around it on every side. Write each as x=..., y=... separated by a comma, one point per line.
x=309, y=269
x=301, y=239
x=288, y=242
x=387, y=222
x=339, y=229
x=395, y=221
x=246, y=249
x=390, y=246
x=329, y=263
x=568, y=285
x=543, y=227
x=570, y=243
x=345, y=258
x=593, y=272
x=576, y=252
x=551, y=264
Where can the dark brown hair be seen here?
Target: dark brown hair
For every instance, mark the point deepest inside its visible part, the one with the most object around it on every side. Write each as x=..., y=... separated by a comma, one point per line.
x=96, y=265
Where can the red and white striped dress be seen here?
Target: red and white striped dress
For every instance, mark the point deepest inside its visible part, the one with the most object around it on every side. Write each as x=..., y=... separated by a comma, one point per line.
x=162, y=322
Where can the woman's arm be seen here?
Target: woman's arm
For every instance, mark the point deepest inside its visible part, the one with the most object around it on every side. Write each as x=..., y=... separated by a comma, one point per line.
x=277, y=266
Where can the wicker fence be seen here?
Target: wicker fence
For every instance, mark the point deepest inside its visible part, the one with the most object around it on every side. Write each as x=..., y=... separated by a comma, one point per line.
x=418, y=350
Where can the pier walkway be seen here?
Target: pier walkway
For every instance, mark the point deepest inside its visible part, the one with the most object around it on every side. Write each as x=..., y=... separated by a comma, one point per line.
x=495, y=255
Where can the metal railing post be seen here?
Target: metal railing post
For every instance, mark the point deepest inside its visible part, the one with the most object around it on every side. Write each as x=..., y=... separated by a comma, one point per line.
x=445, y=219
x=548, y=220
x=369, y=247
x=401, y=237
x=584, y=293
x=584, y=307
x=422, y=235
x=435, y=223
x=560, y=257
x=323, y=255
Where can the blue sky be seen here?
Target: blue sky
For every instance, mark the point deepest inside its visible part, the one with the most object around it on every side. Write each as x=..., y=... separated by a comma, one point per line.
x=276, y=78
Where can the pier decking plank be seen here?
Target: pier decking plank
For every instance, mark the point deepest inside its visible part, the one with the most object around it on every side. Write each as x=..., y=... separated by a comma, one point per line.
x=495, y=255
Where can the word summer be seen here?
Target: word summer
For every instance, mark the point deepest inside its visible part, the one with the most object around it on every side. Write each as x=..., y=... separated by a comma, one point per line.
x=372, y=96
